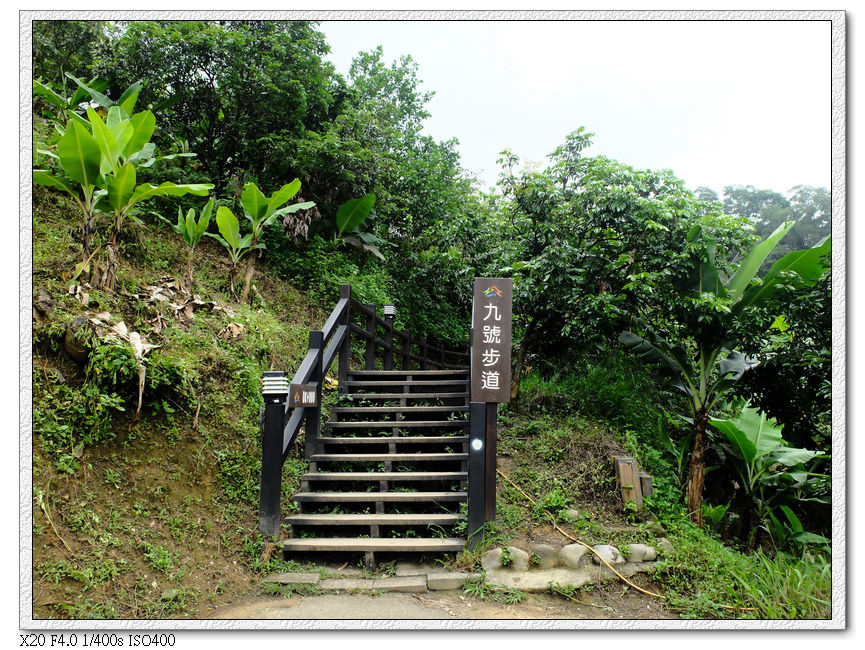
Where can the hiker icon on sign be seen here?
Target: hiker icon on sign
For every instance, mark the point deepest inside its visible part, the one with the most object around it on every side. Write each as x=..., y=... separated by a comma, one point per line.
x=493, y=291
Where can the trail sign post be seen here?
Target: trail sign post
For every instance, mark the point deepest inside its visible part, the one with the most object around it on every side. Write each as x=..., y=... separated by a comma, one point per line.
x=490, y=357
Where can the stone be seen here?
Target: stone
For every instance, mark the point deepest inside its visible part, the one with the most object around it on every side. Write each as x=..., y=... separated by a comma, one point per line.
x=78, y=332
x=405, y=584
x=410, y=569
x=664, y=546
x=346, y=584
x=492, y=559
x=655, y=527
x=547, y=556
x=641, y=553
x=572, y=515
x=294, y=578
x=446, y=581
x=519, y=559
x=575, y=556
x=610, y=554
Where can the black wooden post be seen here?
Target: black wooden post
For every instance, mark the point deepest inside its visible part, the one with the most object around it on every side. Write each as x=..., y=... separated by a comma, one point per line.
x=313, y=413
x=406, y=349
x=345, y=348
x=423, y=353
x=490, y=433
x=389, y=315
x=370, y=342
x=274, y=391
x=477, y=470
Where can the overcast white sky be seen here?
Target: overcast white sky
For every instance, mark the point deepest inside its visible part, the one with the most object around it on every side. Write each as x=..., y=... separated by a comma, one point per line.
x=719, y=103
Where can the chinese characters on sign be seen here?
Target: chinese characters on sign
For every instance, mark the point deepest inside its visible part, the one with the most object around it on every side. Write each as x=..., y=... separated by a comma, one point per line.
x=301, y=395
x=491, y=339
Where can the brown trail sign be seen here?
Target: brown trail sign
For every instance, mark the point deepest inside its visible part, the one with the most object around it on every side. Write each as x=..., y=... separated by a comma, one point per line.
x=491, y=339
x=490, y=358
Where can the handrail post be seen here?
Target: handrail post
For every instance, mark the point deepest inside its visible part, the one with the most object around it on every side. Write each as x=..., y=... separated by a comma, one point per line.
x=423, y=353
x=477, y=471
x=388, y=337
x=370, y=342
x=313, y=414
x=345, y=348
x=274, y=392
x=406, y=349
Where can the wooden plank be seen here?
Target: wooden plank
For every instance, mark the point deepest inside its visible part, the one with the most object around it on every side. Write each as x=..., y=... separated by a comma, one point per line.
x=409, y=544
x=383, y=440
x=403, y=373
x=419, y=519
x=384, y=476
x=628, y=480
x=400, y=396
x=365, y=497
x=394, y=458
x=360, y=410
x=403, y=424
x=402, y=382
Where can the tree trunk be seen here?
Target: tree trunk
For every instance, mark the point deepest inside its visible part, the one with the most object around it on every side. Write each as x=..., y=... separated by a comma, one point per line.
x=696, y=471
x=187, y=274
x=232, y=276
x=109, y=277
x=521, y=358
x=247, y=278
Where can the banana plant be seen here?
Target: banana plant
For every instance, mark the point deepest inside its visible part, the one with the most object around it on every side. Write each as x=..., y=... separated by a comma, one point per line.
x=99, y=159
x=229, y=237
x=350, y=216
x=705, y=367
x=261, y=211
x=768, y=470
x=192, y=231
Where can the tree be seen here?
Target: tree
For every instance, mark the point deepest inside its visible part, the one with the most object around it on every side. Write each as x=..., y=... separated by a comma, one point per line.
x=61, y=46
x=240, y=93
x=703, y=364
x=591, y=241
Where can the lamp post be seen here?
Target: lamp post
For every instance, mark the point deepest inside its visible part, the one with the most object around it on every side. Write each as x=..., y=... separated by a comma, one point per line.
x=389, y=316
x=274, y=390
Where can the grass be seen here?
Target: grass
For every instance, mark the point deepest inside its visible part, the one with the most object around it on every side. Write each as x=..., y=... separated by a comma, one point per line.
x=150, y=515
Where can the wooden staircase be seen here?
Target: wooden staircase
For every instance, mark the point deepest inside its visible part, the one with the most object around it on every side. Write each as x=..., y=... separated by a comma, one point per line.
x=388, y=472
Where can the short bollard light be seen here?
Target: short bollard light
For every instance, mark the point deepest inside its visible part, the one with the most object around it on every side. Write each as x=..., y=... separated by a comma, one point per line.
x=274, y=386
x=390, y=312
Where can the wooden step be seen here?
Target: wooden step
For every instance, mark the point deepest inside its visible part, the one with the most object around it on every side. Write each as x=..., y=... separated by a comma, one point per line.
x=384, y=476
x=402, y=382
x=383, y=440
x=406, y=373
x=408, y=544
x=372, y=520
x=367, y=497
x=398, y=424
x=396, y=458
x=361, y=410
x=376, y=396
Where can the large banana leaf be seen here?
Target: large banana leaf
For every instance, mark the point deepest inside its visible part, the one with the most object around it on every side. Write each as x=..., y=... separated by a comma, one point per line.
x=121, y=186
x=143, y=124
x=752, y=434
x=353, y=212
x=228, y=226
x=107, y=142
x=79, y=154
x=148, y=191
x=254, y=203
x=282, y=195
x=737, y=284
x=808, y=264
x=41, y=177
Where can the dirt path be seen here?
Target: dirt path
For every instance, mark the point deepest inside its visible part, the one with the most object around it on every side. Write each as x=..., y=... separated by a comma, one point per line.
x=610, y=603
